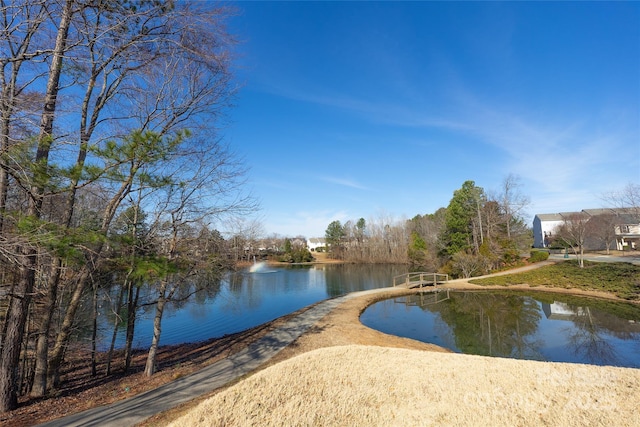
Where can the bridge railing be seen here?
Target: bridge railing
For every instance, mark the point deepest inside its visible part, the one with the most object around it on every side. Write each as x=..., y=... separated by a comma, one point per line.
x=420, y=278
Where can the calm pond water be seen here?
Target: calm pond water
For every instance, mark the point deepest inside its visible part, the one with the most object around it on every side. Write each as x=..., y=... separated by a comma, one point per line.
x=242, y=300
x=511, y=324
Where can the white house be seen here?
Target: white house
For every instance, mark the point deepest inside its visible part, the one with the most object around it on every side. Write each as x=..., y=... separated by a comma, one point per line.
x=315, y=243
x=626, y=227
x=544, y=226
x=628, y=232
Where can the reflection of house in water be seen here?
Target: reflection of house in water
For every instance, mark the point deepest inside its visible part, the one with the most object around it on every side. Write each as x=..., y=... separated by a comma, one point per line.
x=561, y=311
x=610, y=322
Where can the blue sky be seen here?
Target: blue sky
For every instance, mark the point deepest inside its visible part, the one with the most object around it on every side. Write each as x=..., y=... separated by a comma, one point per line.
x=384, y=109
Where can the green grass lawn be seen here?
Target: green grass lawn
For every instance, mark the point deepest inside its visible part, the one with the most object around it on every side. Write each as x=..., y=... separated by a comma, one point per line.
x=620, y=278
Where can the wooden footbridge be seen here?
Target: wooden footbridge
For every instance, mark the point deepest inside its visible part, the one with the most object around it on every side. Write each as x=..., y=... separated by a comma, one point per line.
x=420, y=279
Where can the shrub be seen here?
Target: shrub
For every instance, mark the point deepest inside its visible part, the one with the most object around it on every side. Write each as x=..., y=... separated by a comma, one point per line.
x=557, y=244
x=537, y=256
x=297, y=256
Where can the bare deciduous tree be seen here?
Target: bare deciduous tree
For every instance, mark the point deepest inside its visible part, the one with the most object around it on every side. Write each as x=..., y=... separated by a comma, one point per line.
x=574, y=231
x=469, y=264
x=205, y=186
x=602, y=229
x=132, y=75
x=627, y=199
x=512, y=200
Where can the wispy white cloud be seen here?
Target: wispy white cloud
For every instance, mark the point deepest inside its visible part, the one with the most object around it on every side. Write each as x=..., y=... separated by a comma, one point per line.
x=561, y=153
x=555, y=157
x=565, y=158
x=373, y=110
x=343, y=182
x=557, y=153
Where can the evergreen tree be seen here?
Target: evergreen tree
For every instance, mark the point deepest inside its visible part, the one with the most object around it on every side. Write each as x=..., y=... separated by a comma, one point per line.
x=334, y=236
x=463, y=223
x=417, y=252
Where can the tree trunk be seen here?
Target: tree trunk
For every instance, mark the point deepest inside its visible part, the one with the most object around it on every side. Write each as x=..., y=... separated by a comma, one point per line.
x=12, y=342
x=8, y=277
x=10, y=357
x=94, y=333
x=150, y=367
x=39, y=388
x=116, y=322
x=4, y=177
x=57, y=354
x=132, y=306
x=7, y=109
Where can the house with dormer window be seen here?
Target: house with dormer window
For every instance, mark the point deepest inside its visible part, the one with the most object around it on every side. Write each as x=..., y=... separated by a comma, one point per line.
x=628, y=232
x=624, y=223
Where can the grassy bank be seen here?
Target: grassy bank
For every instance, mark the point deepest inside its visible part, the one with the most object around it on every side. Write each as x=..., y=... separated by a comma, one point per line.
x=621, y=279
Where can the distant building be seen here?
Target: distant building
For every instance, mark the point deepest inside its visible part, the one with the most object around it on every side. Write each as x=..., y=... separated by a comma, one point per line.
x=315, y=243
x=625, y=223
x=544, y=226
x=628, y=232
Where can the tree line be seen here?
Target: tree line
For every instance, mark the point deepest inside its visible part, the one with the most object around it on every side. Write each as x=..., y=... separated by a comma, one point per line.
x=480, y=231
x=477, y=232
x=112, y=170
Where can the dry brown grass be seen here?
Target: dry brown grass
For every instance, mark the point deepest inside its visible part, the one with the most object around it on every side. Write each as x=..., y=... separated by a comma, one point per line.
x=376, y=386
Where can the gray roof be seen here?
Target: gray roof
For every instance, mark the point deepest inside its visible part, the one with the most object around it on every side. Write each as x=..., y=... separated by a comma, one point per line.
x=555, y=216
x=594, y=212
x=626, y=214
x=627, y=219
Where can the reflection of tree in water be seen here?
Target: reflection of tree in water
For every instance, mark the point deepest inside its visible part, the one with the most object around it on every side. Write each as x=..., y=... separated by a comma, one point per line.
x=341, y=279
x=586, y=338
x=244, y=291
x=197, y=290
x=492, y=324
x=209, y=286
